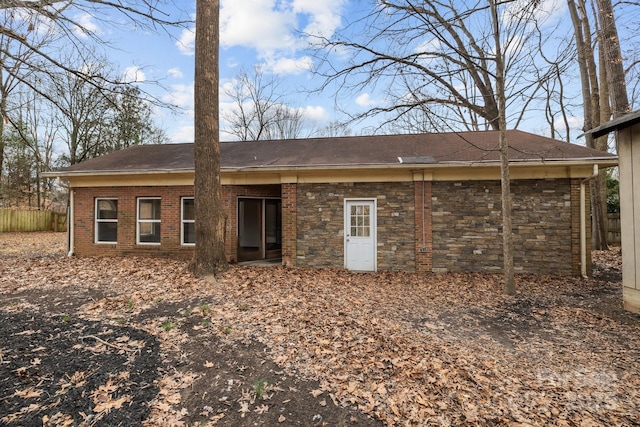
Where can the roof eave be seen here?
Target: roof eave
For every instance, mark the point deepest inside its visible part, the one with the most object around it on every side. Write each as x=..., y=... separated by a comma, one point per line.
x=603, y=161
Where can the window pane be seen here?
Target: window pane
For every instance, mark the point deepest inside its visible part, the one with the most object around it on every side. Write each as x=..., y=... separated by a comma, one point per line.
x=107, y=231
x=150, y=208
x=150, y=232
x=107, y=209
x=189, y=232
x=188, y=209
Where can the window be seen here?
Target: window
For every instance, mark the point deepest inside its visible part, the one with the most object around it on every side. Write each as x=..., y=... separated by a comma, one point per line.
x=149, y=221
x=360, y=220
x=106, y=230
x=188, y=230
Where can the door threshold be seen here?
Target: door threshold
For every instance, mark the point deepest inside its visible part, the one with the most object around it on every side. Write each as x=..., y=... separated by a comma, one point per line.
x=263, y=262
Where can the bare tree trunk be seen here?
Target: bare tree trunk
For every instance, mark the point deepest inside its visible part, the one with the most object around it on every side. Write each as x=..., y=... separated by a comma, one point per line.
x=610, y=44
x=594, y=95
x=209, y=256
x=509, y=285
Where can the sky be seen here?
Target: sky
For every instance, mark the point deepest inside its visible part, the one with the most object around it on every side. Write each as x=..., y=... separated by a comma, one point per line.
x=252, y=32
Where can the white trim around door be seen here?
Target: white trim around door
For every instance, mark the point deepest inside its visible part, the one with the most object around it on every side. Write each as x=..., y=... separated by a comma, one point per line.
x=360, y=234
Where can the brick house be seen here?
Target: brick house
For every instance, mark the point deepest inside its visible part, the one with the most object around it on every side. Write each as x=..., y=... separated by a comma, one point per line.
x=425, y=203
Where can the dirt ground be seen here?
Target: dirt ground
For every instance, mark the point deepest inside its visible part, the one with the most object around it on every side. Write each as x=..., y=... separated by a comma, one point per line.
x=139, y=341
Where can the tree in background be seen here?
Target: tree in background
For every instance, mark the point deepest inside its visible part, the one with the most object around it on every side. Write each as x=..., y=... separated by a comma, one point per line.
x=209, y=256
x=36, y=131
x=443, y=58
x=437, y=59
x=604, y=92
x=131, y=121
x=96, y=120
x=35, y=39
x=17, y=189
x=258, y=110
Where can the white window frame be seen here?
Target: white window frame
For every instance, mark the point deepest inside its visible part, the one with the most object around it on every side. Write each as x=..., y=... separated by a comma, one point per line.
x=102, y=220
x=185, y=221
x=147, y=221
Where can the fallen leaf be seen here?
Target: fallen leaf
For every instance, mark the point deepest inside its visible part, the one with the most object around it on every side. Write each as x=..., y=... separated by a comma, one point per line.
x=261, y=409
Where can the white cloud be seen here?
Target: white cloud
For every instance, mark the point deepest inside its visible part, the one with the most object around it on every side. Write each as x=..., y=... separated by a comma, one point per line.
x=324, y=16
x=187, y=42
x=271, y=26
x=85, y=24
x=365, y=100
x=181, y=95
x=315, y=113
x=175, y=72
x=259, y=24
x=134, y=74
x=290, y=65
x=547, y=11
x=183, y=133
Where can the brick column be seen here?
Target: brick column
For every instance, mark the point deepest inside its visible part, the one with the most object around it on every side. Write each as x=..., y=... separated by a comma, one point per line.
x=289, y=224
x=423, y=226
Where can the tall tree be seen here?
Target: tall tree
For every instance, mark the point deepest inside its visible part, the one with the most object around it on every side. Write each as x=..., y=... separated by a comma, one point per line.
x=130, y=122
x=444, y=56
x=15, y=58
x=258, y=110
x=82, y=111
x=610, y=45
x=438, y=57
x=33, y=33
x=209, y=257
x=17, y=185
x=509, y=285
x=604, y=92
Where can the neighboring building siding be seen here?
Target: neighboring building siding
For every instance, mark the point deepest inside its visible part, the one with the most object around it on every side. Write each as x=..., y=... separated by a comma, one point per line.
x=467, y=226
x=320, y=224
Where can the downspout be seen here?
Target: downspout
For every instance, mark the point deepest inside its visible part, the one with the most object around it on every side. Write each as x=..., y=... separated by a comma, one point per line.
x=70, y=224
x=423, y=248
x=583, y=222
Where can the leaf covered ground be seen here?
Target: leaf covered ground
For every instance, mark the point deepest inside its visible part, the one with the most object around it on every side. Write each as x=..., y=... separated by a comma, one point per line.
x=139, y=341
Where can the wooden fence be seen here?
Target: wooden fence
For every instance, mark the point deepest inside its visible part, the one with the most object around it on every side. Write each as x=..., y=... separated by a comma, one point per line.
x=614, y=229
x=25, y=220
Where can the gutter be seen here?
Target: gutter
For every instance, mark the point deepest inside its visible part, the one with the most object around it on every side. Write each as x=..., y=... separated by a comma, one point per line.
x=583, y=222
x=606, y=161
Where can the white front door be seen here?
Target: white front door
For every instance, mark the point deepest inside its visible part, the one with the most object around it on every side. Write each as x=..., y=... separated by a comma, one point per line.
x=360, y=235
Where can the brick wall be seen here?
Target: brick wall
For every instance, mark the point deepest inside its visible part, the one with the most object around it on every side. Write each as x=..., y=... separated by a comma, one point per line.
x=320, y=225
x=84, y=211
x=289, y=224
x=462, y=223
x=84, y=201
x=423, y=229
x=467, y=226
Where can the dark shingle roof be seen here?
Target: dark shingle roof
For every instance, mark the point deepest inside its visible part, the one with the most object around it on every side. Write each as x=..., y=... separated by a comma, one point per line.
x=345, y=151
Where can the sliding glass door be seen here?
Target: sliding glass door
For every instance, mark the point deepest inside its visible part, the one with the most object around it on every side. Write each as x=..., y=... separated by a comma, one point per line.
x=259, y=229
